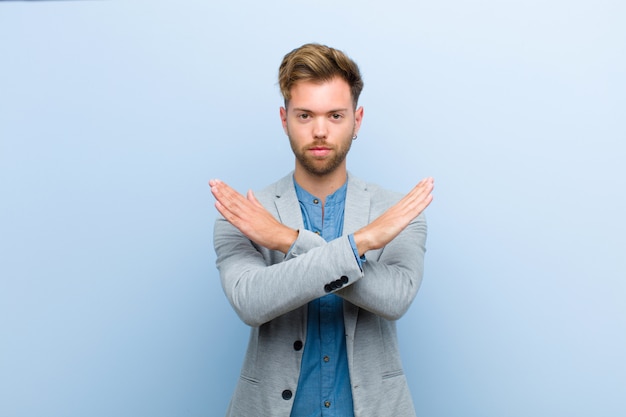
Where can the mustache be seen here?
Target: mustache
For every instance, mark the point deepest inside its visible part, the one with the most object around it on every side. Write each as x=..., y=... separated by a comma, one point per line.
x=319, y=145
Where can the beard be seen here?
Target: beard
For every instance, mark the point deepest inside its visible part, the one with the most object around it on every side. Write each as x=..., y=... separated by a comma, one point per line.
x=325, y=165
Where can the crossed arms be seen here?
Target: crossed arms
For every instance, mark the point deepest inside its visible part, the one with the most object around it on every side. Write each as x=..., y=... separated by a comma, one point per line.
x=261, y=285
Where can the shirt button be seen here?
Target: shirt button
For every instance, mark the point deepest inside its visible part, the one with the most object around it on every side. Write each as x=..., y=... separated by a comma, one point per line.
x=315, y=201
x=287, y=394
x=326, y=358
x=327, y=404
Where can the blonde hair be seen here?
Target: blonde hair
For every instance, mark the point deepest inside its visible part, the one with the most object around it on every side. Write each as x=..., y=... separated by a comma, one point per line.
x=318, y=63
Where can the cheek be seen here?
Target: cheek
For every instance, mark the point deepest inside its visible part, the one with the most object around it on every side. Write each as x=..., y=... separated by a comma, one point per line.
x=295, y=130
x=295, y=135
x=345, y=131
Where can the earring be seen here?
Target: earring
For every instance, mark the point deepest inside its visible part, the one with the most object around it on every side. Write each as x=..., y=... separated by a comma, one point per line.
x=354, y=137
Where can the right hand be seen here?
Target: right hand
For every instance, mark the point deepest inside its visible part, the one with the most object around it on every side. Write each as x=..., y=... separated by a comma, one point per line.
x=251, y=218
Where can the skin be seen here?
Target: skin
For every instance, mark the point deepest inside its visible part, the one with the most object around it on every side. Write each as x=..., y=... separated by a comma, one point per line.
x=320, y=121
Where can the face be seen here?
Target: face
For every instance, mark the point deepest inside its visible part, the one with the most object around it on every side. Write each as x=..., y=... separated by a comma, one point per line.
x=320, y=121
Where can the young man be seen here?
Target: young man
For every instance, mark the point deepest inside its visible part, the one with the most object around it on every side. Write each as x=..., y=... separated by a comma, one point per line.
x=321, y=264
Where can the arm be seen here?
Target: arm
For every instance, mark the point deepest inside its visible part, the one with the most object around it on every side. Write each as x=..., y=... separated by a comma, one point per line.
x=393, y=276
x=260, y=283
x=260, y=287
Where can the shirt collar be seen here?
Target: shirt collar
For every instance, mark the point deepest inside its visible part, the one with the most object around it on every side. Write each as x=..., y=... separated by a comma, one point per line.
x=338, y=197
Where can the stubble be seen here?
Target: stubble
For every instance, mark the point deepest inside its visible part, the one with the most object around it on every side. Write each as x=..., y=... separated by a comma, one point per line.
x=321, y=166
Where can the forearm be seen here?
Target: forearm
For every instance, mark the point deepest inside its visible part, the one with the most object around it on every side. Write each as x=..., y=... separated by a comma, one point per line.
x=391, y=276
x=262, y=284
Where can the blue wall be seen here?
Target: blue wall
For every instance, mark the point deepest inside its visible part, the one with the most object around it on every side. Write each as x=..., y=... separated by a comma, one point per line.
x=114, y=115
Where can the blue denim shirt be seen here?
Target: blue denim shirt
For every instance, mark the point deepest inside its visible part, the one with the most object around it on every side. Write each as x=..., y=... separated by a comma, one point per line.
x=324, y=384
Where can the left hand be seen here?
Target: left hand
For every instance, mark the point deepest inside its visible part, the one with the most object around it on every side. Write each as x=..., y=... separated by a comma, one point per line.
x=386, y=227
x=251, y=218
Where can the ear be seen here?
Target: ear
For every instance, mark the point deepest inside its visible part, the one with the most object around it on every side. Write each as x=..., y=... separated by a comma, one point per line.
x=283, y=119
x=358, y=118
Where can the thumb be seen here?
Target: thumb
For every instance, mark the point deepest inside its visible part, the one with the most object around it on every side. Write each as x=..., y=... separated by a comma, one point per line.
x=250, y=196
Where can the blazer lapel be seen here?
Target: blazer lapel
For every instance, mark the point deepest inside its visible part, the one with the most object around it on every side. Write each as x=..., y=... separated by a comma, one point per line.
x=356, y=216
x=357, y=207
x=286, y=203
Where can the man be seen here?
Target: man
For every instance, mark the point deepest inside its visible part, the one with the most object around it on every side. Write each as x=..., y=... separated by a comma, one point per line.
x=321, y=264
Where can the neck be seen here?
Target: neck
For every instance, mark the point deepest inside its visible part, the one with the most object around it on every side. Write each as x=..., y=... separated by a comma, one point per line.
x=321, y=186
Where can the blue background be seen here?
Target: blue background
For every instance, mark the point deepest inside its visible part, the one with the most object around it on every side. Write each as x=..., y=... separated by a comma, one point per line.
x=114, y=115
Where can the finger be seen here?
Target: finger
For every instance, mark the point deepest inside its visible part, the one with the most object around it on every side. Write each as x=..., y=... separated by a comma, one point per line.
x=226, y=194
x=424, y=183
x=416, y=194
x=214, y=191
x=230, y=204
x=225, y=213
x=252, y=199
x=416, y=200
x=232, y=216
x=424, y=199
x=216, y=186
x=422, y=188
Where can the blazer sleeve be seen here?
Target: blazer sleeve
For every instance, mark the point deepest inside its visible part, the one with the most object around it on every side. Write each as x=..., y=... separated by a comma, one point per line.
x=391, y=276
x=261, y=284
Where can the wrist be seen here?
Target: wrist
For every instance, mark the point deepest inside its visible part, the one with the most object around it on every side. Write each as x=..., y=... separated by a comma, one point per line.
x=362, y=241
x=286, y=240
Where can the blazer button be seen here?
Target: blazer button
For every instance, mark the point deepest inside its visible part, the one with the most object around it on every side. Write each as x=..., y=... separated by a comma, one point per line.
x=287, y=394
x=297, y=345
x=328, y=288
x=344, y=279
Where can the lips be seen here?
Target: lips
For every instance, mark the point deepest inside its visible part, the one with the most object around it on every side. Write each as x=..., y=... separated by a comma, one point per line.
x=319, y=151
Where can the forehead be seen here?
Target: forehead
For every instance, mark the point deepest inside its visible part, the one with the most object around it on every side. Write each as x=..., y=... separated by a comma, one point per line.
x=321, y=96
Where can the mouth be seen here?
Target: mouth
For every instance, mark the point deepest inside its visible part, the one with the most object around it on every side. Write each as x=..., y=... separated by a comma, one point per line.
x=319, y=151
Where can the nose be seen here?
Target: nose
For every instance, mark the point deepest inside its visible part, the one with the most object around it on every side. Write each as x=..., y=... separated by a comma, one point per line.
x=320, y=130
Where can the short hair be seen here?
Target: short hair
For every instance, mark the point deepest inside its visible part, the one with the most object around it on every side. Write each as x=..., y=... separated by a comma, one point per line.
x=318, y=63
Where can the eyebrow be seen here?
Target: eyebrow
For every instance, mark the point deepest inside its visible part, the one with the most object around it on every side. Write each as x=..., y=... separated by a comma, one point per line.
x=328, y=112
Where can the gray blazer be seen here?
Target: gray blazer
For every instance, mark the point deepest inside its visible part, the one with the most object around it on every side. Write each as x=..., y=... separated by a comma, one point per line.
x=270, y=291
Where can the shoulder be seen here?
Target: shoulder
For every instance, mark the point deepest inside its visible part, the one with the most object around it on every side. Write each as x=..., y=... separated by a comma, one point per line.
x=379, y=196
x=283, y=188
x=279, y=187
